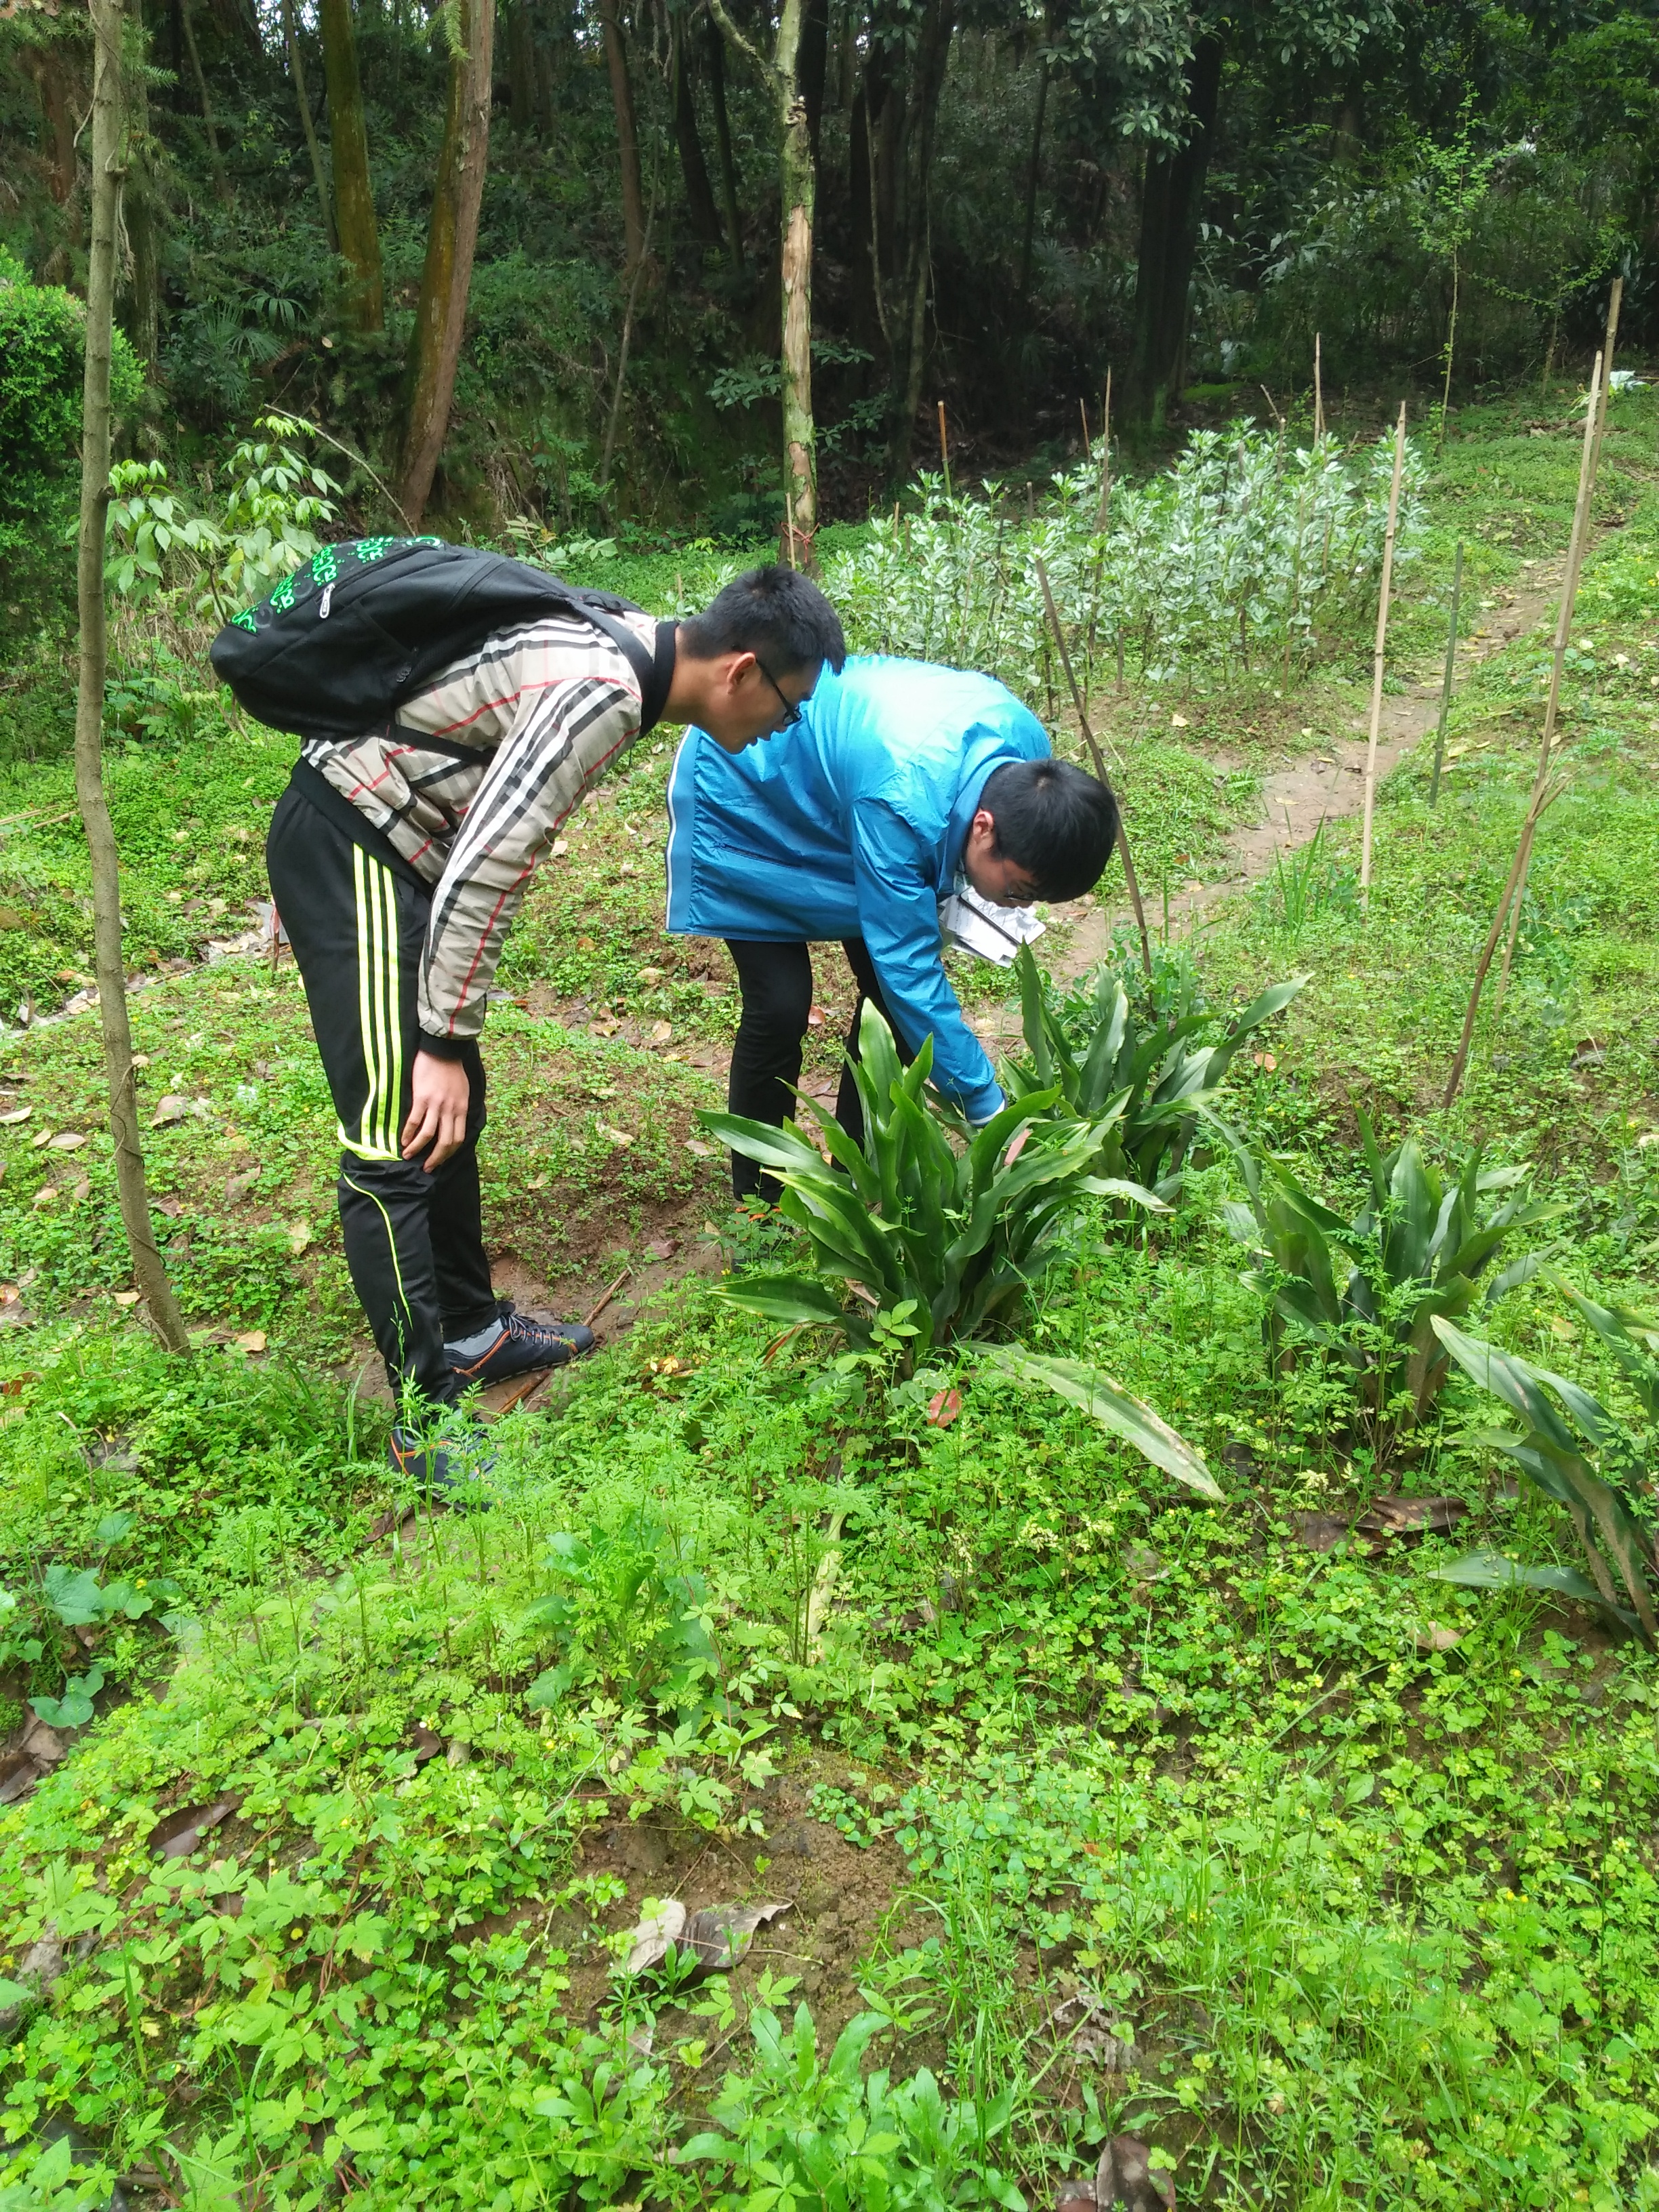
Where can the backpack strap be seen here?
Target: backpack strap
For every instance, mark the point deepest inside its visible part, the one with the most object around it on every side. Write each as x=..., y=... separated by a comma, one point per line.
x=654, y=669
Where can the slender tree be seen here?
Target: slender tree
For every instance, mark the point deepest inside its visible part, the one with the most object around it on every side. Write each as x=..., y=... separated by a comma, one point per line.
x=214, y=159
x=1171, y=191
x=628, y=135
x=699, y=194
x=798, y=180
x=141, y=206
x=452, y=241
x=320, y=175
x=715, y=52
x=354, y=197
x=108, y=963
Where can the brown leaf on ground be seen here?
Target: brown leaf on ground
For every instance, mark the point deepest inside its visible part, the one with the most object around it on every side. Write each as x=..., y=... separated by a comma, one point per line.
x=1319, y=1532
x=426, y=1743
x=653, y=1936
x=1434, y=1637
x=173, y=1207
x=238, y=1187
x=176, y=1835
x=42, y=1743
x=66, y=1141
x=943, y=1408
x=1125, y=2176
x=168, y=1110
x=1410, y=1516
x=720, y=1934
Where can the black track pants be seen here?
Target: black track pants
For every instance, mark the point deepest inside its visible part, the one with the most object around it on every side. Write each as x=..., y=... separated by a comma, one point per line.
x=776, y=981
x=414, y=1241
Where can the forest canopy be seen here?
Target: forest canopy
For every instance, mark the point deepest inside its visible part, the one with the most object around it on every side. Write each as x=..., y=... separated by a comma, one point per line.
x=523, y=259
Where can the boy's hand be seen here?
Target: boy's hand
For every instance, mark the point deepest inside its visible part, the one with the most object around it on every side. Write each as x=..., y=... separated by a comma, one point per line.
x=437, y=1110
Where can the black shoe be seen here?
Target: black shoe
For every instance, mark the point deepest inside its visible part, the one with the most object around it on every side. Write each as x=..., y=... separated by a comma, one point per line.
x=450, y=1470
x=523, y=1346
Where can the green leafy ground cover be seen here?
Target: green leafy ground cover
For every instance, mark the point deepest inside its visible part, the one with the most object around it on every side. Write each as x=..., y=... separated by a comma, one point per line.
x=1099, y=1807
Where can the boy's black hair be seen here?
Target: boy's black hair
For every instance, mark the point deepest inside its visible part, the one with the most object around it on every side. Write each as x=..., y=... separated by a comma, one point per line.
x=1054, y=822
x=775, y=613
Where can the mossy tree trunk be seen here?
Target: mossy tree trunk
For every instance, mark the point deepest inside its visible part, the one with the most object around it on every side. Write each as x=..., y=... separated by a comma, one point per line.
x=699, y=194
x=354, y=197
x=627, y=135
x=308, y=124
x=798, y=187
x=451, y=239
x=109, y=964
x=729, y=195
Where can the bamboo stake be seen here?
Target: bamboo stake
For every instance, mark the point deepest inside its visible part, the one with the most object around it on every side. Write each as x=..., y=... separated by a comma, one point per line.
x=1544, y=792
x=1377, y=660
x=109, y=167
x=1446, y=681
x=1615, y=295
x=1576, y=545
x=944, y=450
x=1131, y=881
x=1105, y=458
x=1319, y=394
x=1544, y=797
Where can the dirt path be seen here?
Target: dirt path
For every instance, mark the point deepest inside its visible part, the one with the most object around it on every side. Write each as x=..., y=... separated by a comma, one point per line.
x=1325, y=786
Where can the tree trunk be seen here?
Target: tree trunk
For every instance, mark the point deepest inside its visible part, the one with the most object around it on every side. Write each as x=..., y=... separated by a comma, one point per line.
x=1031, y=179
x=354, y=197
x=452, y=238
x=142, y=208
x=1169, y=203
x=194, y=51
x=110, y=967
x=814, y=67
x=699, y=194
x=715, y=50
x=628, y=136
x=522, y=67
x=798, y=177
x=909, y=251
x=291, y=35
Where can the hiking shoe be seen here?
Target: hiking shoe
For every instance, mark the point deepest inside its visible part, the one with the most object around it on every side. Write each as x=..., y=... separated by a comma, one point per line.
x=519, y=1346
x=449, y=1470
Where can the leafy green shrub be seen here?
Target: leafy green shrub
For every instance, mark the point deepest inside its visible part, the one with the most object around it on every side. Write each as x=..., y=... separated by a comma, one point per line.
x=938, y=1239
x=1364, y=1294
x=1100, y=1049
x=42, y=329
x=1614, y=1528
x=625, y=1613
x=798, y=2131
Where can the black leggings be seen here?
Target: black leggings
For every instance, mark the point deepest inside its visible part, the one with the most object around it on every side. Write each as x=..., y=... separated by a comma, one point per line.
x=775, y=980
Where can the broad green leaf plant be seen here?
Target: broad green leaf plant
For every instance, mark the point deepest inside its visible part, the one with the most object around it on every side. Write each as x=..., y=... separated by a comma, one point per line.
x=1555, y=1450
x=933, y=1228
x=1111, y=1059
x=1365, y=1294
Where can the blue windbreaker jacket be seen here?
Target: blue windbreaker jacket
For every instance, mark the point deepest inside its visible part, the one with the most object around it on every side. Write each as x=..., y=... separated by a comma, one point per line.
x=853, y=825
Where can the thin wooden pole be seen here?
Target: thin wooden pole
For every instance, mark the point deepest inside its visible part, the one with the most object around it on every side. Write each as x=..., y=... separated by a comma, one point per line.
x=1131, y=881
x=1088, y=449
x=1588, y=457
x=1105, y=458
x=109, y=167
x=1544, y=797
x=1318, y=393
x=1544, y=792
x=1377, y=658
x=944, y=450
x=1614, y=298
x=1446, y=681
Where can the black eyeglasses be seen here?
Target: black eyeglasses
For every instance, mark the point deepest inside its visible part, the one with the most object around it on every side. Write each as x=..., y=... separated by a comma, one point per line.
x=791, y=711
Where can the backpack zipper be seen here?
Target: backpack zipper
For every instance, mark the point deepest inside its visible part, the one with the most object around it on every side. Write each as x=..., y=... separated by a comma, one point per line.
x=325, y=603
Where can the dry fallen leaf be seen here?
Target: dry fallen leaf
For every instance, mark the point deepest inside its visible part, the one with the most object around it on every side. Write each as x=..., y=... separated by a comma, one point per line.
x=66, y=1141
x=653, y=1936
x=173, y=1207
x=1434, y=1637
x=617, y=1137
x=536, y=1182
x=41, y=1137
x=46, y=1195
x=560, y=846
x=177, y=1836
x=169, y=1110
x=237, y=1187
x=943, y=1408
x=126, y=1297
x=814, y=1017
x=17, y=1114
x=720, y=1934
x=299, y=1236
x=1410, y=1516
x=649, y=976
x=1319, y=1532
x=660, y=1247
x=695, y=1146
x=1127, y=2176
x=251, y=1339
x=661, y=1031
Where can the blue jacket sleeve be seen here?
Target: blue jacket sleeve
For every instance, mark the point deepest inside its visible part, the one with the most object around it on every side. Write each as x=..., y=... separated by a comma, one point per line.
x=898, y=916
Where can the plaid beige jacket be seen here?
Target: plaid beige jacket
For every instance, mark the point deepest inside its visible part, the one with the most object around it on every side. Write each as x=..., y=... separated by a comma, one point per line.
x=472, y=780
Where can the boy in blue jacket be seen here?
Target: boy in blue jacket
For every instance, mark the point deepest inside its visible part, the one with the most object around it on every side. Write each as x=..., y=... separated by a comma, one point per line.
x=893, y=786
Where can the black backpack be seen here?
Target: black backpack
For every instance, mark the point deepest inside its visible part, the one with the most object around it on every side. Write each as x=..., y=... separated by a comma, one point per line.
x=366, y=623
